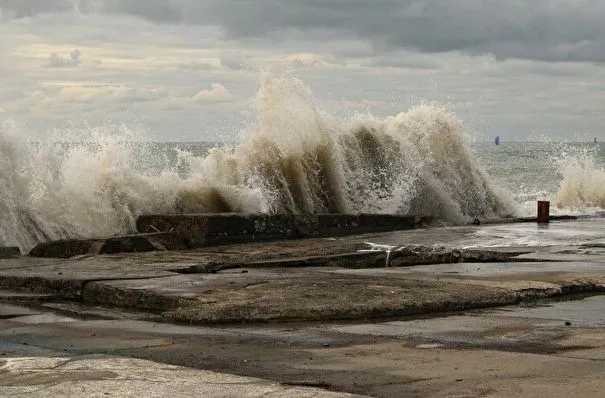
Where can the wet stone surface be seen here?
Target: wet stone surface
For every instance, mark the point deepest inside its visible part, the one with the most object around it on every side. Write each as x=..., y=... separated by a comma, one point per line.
x=353, y=326
x=516, y=350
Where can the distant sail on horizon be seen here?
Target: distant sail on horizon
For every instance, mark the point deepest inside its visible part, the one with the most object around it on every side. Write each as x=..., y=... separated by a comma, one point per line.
x=497, y=140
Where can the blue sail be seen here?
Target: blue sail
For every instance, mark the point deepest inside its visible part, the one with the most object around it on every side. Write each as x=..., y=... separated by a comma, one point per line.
x=497, y=140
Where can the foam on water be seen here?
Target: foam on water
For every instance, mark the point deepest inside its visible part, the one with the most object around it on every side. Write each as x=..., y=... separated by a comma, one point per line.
x=292, y=158
x=54, y=190
x=569, y=174
x=583, y=181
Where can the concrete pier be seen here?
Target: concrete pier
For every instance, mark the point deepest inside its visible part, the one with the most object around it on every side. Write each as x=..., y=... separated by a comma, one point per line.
x=190, y=231
x=414, y=312
x=199, y=230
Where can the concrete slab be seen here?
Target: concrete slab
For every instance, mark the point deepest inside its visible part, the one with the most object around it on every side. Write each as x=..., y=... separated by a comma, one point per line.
x=35, y=319
x=20, y=297
x=129, y=377
x=478, y=353
x=79, y=310
x=519, y=270
x=9, y=252
x=296, y=287
x=267, y=294
x=316, y=293
x=545, y=326
x=12, y=311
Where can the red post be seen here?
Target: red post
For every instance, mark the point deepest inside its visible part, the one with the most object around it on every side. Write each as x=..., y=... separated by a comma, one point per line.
x=543, y=211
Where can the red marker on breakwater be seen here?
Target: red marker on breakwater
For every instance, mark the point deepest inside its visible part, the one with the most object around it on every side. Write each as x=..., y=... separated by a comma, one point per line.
x=543, y=211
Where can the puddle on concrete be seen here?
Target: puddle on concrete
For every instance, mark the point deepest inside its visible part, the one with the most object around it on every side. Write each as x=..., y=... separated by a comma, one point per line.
x=581, y=311
x=571, y=311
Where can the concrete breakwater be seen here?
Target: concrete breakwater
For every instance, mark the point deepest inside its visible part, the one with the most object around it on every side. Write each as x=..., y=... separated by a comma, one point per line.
x=168, y=232
x=199, y=230
x=354, y=277
x=191, y=231
x=9, y=252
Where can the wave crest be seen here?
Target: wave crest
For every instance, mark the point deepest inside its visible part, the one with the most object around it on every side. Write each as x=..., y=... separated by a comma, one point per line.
x=292, y=159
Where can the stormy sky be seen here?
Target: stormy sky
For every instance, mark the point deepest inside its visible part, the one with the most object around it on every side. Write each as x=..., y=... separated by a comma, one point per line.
x=187, y=69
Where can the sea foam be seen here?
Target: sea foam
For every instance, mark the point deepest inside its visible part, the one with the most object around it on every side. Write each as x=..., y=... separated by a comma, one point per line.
x=292, y=158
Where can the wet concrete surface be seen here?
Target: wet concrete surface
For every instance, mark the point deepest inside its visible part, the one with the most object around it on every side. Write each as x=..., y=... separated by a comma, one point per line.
x=549, y=349
x=130, y=377
x=587, y=312
x=558, y=233
x=109, y=307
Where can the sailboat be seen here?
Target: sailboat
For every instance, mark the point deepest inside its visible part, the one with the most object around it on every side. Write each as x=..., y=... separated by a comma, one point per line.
x=497, y=140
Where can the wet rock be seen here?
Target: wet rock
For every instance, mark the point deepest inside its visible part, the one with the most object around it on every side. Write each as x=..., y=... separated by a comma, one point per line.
x=346, y=260
x=49, y=287
x=377, y=257
x=67, y=248
x=9, y=252
x=116, y=244
x=199, y=230
x=415, y=255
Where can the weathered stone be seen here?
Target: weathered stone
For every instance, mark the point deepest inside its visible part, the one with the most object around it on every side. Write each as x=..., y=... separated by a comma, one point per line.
x=148, y=300
x=277, y=287
x=561, y=217
x=347, y=260
x=199, y=230
x=142, y=243
x=67, y=248
x=9, y=252
x=59, y=287
x=181, y=231
x=116, y=244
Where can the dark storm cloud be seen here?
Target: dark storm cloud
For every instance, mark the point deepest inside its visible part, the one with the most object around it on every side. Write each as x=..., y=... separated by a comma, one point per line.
x=557, y=30
x=554, y=30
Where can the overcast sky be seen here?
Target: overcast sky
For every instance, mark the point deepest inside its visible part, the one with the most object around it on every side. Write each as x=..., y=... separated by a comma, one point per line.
x=187, y=69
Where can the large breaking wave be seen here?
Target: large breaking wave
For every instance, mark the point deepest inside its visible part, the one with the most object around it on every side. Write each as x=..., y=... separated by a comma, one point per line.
x=293, y=158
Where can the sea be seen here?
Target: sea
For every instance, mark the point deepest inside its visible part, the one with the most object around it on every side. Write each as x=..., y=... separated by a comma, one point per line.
x=292, y=157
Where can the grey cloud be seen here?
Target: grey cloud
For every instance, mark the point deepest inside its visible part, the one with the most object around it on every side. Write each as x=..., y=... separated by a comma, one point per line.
x=165, y=11
x=154, y=10
x=57, y=61
x=557, y=30
x=26, y=8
